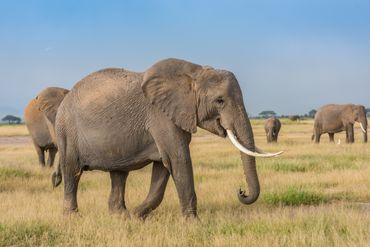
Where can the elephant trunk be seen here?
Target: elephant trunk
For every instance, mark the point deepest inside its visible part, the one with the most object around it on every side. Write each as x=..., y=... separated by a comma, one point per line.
x=270, y=135
x=244, y=133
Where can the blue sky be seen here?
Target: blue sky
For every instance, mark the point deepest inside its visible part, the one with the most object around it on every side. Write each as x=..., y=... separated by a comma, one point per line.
x=289, y=56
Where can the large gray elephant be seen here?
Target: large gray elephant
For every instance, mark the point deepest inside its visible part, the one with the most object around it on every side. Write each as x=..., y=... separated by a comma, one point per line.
x=334, y=118
x=40, y=127
x=117, y=121
x=272, y=128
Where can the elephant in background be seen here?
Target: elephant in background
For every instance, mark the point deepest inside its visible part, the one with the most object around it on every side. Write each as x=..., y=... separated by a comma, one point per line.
x=117, y=121
x=334, y=118
x=272, y=128
x=40, y=126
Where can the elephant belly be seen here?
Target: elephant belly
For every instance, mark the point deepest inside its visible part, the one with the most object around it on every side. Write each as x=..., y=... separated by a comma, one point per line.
x=333, y=129
x=117, y=153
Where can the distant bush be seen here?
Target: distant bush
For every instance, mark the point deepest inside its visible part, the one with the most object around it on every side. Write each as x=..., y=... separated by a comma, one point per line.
x=294, y=117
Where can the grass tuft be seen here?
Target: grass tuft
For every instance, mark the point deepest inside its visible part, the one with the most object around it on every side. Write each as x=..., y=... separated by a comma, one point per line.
x=28, y=234
x=6, y=172
x=294, y=197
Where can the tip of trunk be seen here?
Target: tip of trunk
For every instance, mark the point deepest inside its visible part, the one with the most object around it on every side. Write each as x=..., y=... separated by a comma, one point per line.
x=247, y=199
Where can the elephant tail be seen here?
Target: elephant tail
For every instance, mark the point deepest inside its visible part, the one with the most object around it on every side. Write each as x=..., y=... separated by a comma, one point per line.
x=312, y=137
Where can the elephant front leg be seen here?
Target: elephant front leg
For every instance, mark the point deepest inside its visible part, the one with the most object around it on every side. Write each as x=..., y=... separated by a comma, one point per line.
x=173, y=146
x=182, y=174
x=158, y=184
x=331, y=137
x=350, y=137
x=317, y=137
x=117, y=196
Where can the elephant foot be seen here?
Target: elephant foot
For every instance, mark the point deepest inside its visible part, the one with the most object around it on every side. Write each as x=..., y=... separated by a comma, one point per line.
x=142, y=211
x=71, y=212
x=190, y=215
x=124, y=213
x=56, y=179
x=117, y=209
x=192, y=219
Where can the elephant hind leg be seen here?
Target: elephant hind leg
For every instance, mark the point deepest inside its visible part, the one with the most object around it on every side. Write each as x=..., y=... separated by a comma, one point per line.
x=51, y=158
x=71, y=174
x=117, y=196
x=41, y=154
x=158, y=184
x=331, y=137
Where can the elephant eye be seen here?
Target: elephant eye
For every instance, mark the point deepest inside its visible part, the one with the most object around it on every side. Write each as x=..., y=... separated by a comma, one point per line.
x=220, y=101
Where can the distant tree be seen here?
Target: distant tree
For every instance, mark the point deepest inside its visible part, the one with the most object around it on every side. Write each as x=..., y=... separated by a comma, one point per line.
x=11, y=119
x=267, y=114
x=312, y=113
x=368, y=111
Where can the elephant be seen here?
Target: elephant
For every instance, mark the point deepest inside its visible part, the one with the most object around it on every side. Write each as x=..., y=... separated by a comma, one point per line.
x=333, y=118
x=272, y=128
x=117, y=121
x=39, y=125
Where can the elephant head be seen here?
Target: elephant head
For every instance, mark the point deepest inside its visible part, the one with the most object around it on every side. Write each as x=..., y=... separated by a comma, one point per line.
x=48, y=101
x=359, y=115
x=192, y=95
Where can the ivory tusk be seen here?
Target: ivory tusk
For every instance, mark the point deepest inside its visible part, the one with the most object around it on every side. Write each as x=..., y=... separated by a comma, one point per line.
x=362, y=128
x=258, y=150
x=239, y=146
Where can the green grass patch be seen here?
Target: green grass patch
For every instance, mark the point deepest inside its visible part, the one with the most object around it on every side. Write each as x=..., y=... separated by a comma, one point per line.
x=288, y=166
x=308, y=163
x=6, y=172
x=293, y=197
x=28, y=234
x=85, y=185
x=199, y=178
x=220, y=164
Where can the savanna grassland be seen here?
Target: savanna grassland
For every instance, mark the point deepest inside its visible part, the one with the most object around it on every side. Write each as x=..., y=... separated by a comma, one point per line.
x=312, y=195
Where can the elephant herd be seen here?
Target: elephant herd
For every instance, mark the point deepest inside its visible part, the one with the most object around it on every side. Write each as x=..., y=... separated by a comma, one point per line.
x=330, y=119
x=117, y=121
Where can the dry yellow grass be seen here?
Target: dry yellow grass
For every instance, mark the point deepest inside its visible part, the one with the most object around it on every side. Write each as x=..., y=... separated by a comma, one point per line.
x=13, y=130
x=313, y=195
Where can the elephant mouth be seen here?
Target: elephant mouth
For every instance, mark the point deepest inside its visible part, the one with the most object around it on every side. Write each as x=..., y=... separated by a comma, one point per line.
x=220, y=130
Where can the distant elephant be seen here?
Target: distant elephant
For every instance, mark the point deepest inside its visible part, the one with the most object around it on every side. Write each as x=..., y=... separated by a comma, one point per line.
x=40, y=128
x=333, y=118
x=272, y=128
x=116, y=120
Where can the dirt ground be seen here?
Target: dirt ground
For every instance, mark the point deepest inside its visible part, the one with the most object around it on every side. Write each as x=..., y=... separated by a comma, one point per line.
x=15, y=140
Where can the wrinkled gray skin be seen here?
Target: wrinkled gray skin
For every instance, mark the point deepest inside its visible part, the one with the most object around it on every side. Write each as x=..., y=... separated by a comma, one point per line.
x=117, y=121
x=334, y=118
x=272, y=128
x=40, y=128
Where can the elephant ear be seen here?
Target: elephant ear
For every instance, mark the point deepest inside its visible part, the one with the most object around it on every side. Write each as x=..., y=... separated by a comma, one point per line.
x=49, y=100
x=170, y=86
